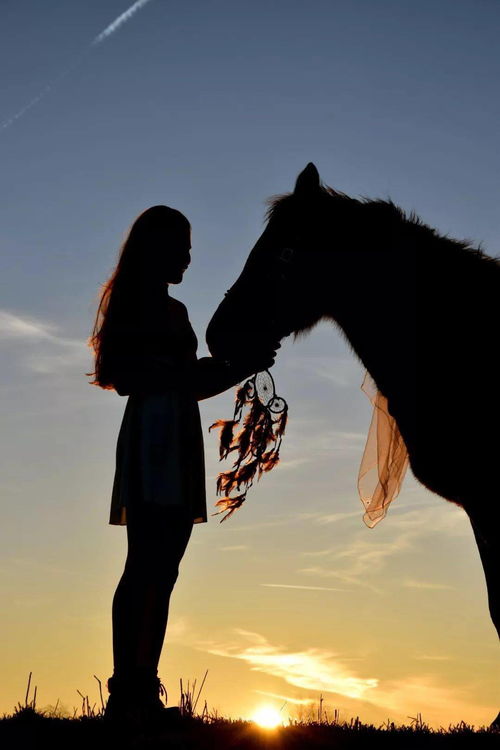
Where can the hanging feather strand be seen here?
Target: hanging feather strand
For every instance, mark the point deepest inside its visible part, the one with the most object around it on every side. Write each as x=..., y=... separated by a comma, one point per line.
x=257, y=443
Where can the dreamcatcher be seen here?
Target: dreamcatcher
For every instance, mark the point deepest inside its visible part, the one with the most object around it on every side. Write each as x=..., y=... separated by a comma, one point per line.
x=257, y=444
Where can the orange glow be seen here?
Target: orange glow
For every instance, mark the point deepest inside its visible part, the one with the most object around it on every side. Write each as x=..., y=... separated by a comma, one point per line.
x=267, y=717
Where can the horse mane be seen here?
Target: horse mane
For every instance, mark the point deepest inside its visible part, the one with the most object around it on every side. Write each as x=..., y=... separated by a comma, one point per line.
x=386, y=210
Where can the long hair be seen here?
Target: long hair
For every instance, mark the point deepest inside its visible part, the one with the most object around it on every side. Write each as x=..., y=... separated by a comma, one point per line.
x=133, y=292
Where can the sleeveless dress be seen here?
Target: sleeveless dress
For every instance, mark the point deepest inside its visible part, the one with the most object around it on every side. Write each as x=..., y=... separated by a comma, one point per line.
x=159, y=452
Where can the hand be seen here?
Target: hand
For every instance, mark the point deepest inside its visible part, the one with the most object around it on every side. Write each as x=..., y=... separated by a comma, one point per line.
x=257, y=361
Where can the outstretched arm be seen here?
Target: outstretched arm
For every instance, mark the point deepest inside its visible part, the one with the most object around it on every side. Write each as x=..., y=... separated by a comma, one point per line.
x=212, y=376
x=205, y=377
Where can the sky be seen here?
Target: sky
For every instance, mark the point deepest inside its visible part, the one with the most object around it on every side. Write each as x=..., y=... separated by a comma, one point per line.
x=213, y=107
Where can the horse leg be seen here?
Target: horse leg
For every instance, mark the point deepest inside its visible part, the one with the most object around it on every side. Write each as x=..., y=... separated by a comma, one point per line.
x=486, y=527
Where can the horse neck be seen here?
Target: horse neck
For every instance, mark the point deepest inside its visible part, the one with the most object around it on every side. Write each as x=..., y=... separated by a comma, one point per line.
x=373, y=301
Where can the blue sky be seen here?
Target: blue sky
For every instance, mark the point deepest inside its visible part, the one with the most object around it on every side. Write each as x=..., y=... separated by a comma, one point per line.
x=212, y=107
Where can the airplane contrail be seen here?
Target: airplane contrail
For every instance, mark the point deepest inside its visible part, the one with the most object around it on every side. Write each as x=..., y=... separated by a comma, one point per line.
x=105, y=34
x=120, y=21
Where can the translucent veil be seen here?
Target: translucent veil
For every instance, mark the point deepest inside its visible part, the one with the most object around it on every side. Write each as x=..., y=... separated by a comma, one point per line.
x=384, y=461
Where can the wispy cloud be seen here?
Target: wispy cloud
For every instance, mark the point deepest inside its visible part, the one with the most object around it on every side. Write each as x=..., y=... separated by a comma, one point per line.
x=48, y=351
x=438, y=703
x=340, y=575
x=365, y=557
x=14, y=326
x=118, y=22
x=41, y=95
x=286, y=698
x=234, y=548
x=294, y=586
x=322, y=671
x=360, y=560
x=321, y=441
x=319, y=444
x=293, y=463
x=283, y=520
x=340, y=440
x=310, y=669
x=341, y=372
x=426, y=585
x=438, y=516
x=326, y=518
x=327, y=552
x=178, y=629
x=107, y=32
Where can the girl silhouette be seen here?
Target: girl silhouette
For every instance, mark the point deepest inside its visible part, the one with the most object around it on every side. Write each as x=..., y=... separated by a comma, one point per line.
x=145, y=348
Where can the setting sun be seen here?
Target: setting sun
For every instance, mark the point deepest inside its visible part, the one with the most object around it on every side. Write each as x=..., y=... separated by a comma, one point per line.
x=267, y=717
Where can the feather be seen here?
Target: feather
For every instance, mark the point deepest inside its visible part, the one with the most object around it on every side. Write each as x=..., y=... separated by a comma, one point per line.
x=226, y=481
x=263, y=435
x=229, y=503
x=218, y=423
x=246, y=473
x=243, y=442
x=282, y=422
x=226, y=427
x=226, y=438
x=257, y=410
x=269, y=461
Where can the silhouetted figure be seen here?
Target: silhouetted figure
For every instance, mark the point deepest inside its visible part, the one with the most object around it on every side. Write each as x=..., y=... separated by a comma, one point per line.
x=419, y=310
x=145, y=348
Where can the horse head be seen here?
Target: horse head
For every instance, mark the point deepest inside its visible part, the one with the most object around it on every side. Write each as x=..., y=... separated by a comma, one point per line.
x=281, y=289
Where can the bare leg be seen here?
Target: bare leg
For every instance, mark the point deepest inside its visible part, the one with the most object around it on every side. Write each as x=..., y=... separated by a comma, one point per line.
x=157, y=539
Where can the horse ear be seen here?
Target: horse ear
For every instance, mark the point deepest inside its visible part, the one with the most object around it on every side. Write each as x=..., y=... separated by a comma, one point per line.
x=308, y=180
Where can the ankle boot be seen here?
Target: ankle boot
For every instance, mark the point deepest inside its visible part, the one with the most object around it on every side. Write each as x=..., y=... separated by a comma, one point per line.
x=135, y=700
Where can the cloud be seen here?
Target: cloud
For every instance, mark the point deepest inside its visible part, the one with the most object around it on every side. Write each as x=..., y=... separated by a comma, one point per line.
x=49, y=352
x=426, y=585
x=46, y=89
x=310, y=669
x=27, y=329
x=283, y=520
x=439, y=704
x=323, y=671
x=323, y=441
x=320, y=552
x=322, y=518
x=436, y=517
x=341, y=575
x=341, y=372
x=118, y=22
x=293, y=586
x=360, y=560
x=428, y=657
x=110, y=29
x=340, y=440
x=234, y=548
x=178, y=629
x=364, y=557
x=293, y=463
x=312, y=443
x=286, y=698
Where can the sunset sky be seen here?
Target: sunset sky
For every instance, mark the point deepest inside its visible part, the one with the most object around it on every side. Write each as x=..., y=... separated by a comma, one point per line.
x=211, y=107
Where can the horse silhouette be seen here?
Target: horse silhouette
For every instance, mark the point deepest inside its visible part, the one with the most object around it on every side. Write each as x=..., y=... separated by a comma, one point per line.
x=420, y=310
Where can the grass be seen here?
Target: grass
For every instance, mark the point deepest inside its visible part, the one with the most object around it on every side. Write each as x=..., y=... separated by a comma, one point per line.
x=29, y=727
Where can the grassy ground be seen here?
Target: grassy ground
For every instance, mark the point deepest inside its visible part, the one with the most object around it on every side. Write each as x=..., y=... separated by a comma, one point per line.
x=28, y=727
x=33, y=731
